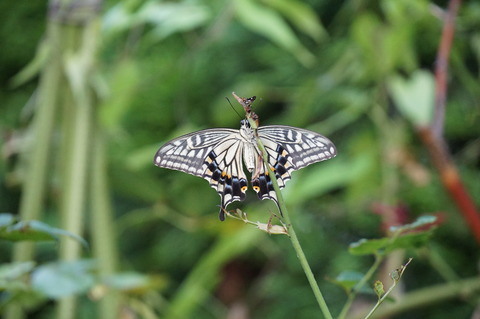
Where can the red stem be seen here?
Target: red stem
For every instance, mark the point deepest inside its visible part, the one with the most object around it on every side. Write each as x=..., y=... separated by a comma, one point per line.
x=441, y=69
x=451, y=180
x=432, y=136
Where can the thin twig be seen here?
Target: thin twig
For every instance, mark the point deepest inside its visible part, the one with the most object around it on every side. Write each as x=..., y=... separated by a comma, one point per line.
x=399, y=273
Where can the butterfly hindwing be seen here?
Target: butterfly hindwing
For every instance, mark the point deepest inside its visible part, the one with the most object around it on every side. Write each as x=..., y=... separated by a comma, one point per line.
x=262, y=183
x=223, y=169
x=279, y=160
x=213, y=154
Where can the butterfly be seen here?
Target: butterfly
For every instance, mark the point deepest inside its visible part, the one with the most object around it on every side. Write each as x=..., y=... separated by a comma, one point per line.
x=219, y=155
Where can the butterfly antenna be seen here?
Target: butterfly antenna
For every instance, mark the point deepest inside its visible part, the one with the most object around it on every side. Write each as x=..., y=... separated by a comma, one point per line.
x=234, y=108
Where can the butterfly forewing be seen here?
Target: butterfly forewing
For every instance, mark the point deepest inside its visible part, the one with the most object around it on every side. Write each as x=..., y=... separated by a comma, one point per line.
x=187, y=153
x=295, y=148
x=289, y=149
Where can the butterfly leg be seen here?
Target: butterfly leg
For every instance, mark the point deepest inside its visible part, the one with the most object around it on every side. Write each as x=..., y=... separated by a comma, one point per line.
x=221, y=214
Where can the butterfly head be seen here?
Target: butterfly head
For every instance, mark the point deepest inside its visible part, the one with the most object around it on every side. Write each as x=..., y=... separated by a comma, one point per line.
x=245, y=124
x=246, y=131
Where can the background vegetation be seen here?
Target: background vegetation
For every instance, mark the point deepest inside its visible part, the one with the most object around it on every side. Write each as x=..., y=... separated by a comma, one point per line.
x=90, y=90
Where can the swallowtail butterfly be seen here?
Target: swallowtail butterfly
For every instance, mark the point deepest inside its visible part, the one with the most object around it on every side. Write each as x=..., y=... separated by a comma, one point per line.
x=219, y=155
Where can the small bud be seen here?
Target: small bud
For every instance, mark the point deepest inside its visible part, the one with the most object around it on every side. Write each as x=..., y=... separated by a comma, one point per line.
x=378, y=288
x=395, y=275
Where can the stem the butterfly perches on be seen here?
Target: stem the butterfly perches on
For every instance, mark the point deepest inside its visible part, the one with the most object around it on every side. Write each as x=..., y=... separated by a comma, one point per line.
x=254, y=120
x=268, y=227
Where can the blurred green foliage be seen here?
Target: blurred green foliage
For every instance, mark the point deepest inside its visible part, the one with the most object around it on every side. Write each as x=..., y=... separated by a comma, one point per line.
x=358, y=72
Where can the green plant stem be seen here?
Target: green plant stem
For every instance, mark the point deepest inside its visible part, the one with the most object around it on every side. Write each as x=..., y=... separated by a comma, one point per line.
x=78, y=55
x=73, y=202
x=379, y=301
x=32, y=204
x=396, y=279
x=293, y=236
x=359, y=285
x=439, y=263
x=102, y=224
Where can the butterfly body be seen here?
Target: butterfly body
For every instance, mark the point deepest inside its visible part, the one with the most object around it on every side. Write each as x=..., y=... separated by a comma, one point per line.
x=250, y=149
x=219, y=155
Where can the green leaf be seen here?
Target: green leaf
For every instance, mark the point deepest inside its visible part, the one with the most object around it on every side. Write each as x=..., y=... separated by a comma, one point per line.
x=368, y=246
x=348, y=279
x=301, y=16
x=422, y=221
x=117, y=19
x=6, y=219
x=270, y=24
x=35, y=231
x=169, y=17
x=10, y=275
x=414, y=97
x=386, y=245
x=31, y=230
x=63, y=279
x=135, y=282
x=15, y=270
x=33, y=68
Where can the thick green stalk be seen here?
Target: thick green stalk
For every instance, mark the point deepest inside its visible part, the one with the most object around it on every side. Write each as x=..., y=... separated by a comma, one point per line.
x=103, y=233
x=78, y=56
x=37, y=155
x=293, y=236
x=74, y=188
